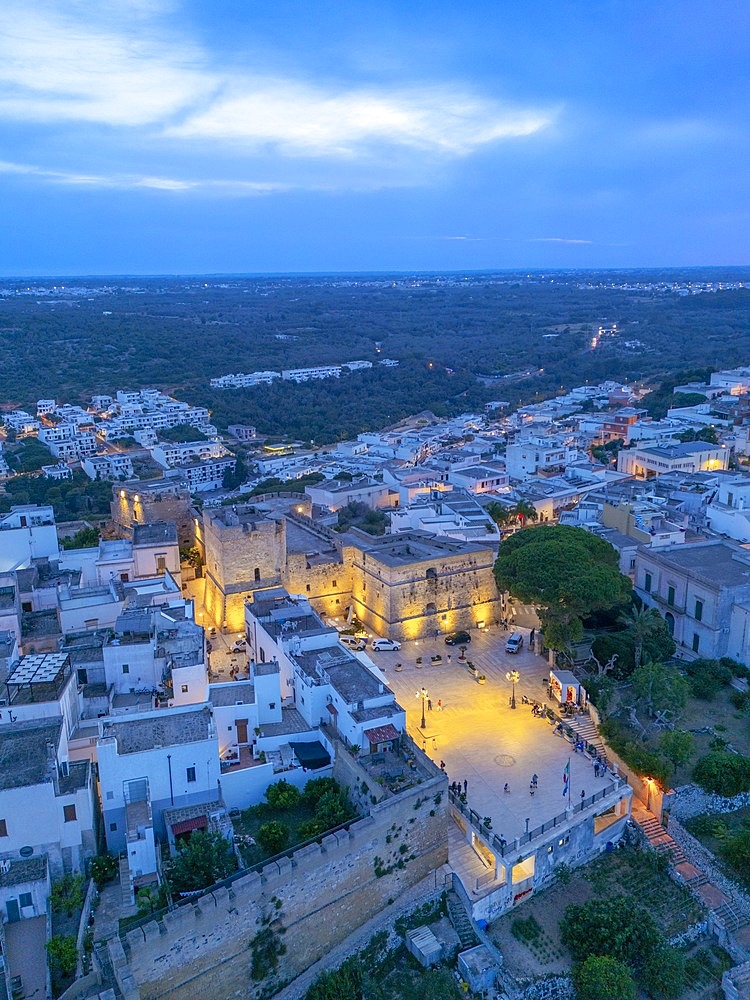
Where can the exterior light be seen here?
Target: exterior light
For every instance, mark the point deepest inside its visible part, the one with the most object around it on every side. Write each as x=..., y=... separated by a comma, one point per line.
x=513, y=676
x=137, y=498
x=122, y=494
x=423, y=695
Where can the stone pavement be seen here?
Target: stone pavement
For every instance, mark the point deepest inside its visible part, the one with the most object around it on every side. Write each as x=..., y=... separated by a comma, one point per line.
x=480, y=737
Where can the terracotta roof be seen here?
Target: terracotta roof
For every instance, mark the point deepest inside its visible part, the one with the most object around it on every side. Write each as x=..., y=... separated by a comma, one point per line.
x=198, y=823
x=381, y=734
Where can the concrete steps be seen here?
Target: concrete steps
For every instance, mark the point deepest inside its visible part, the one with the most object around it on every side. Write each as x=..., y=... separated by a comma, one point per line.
x=731, y=917
x=460, y=920
x=587, y=731
x=128, y=896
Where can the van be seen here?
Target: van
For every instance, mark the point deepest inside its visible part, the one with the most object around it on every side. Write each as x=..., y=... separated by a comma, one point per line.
x=352, y=642
x=514, y=643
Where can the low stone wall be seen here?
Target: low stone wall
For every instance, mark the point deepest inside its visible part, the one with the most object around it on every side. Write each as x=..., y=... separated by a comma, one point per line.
x=703, y=859
x=690, y=800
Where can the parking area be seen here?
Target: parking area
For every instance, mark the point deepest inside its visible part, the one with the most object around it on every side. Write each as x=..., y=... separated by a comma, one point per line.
x=480, y=738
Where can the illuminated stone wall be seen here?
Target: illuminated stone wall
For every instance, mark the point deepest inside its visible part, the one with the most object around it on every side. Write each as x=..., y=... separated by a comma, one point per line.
x=242, y=553
x=414, y=600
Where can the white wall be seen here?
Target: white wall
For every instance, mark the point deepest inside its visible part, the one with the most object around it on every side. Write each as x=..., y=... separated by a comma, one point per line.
x=196, y=681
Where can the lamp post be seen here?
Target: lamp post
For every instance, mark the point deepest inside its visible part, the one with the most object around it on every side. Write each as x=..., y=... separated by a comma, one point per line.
x=513, y=677
x=423, y=695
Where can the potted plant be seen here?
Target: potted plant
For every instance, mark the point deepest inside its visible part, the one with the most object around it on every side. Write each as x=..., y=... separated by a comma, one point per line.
x=480, y=678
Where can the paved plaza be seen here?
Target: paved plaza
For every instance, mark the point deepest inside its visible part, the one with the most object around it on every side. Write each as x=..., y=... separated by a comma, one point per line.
x=481, y=739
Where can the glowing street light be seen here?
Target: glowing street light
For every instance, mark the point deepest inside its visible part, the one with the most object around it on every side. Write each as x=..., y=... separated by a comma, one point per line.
x=423, y=695
x=513, y=676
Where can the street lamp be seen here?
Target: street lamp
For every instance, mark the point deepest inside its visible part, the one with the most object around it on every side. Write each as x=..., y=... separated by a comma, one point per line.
x=513, y=677
x=423, y=695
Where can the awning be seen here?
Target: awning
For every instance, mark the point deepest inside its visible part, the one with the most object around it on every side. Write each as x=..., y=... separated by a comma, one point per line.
x=311, y=756
x=198, y=823
x=382, y=734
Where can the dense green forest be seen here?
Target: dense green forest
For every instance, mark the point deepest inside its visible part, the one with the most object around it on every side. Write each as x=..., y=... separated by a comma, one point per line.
x=456, y=337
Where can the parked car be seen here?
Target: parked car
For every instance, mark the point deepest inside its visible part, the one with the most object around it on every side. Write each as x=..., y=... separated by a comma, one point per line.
x=239, y=646
x=381, y=645
x=514, y=643
x=457, y=638
x=352, y=642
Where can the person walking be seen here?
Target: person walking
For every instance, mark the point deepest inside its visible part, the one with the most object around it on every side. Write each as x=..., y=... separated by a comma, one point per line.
x=439, y=705
x=506, y=788
x=535, y=779
x=466, y=785
x=532, y=789
x=429, y=704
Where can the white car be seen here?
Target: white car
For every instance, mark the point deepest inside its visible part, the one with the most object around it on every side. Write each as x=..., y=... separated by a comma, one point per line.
x=382, y=645
x=239, y=646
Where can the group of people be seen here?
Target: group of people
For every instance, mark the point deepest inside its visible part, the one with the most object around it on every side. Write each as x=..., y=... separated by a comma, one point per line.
x=455, y=787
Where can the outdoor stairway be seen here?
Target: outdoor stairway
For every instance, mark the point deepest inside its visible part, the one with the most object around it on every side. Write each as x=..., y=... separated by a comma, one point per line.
x=659, y=839
x=587, y=731
x=460, y=920
x=125, y=886
x=731, y=916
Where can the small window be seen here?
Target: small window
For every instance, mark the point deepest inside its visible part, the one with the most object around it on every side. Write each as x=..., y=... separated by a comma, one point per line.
x=184, y=689
x=338, y=601
x=647, y=583
x=69, y=813
x=333, y=583
x=670, y=596
x=307, y=587
x=257, y=573
x=24, y=898
x=161, y=564
x=110, y=795
x=126, y=668
x=124, y=577
x=272, y=705
x=112, y=827
x=3, y=828
x=696, y=642
x=698, y=610
x=191, y=774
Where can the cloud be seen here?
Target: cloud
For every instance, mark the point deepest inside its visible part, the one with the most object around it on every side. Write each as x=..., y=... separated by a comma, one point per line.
x=304, y=120
x=559, y=239
x=126, y=66
x=135, y=181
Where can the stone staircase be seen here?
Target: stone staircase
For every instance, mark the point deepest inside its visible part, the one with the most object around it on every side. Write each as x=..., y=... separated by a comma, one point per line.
x=587, y=731
x=658, y=838
x=730, y=916
x=460, y=920
x=128, y=896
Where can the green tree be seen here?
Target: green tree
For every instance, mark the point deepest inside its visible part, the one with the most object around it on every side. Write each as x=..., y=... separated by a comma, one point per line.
x=723, y=772
x=601, y=976
x=567, y=572
x=642, y=624
x=524, y=512
x=615, y=926
x=273, y=837
x=67, y=894
x=501, y=514
x=282, y=795
x=103, y=868
x=663, y=973
x=86, y=538
x=63, y=953
x=735, y=850
x=207, y=857
x=677, y=747
x=660, y=688
x=316, y=788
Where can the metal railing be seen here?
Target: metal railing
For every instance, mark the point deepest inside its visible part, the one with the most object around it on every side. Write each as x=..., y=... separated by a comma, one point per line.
x=506, y=847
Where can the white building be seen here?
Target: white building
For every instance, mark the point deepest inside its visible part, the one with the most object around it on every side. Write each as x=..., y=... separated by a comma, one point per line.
x=169, y=454
x=27, y=532
x=308, y=374
x=692, y=456
x=115, y=465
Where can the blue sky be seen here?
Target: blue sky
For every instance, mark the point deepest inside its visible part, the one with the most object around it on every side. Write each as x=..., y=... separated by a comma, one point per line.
x=155, y=136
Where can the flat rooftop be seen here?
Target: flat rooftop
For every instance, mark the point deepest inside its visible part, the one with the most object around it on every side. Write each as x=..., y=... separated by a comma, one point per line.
x=24, y=757
x=350, y=678
x=232, y=693
x=716, y=562
x=162, y=730
x=156, y=533
x=291, y=722
x=412, y=546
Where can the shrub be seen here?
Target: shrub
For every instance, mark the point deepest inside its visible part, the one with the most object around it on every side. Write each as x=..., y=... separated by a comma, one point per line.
x=282, y=795
x=103, y=868
x=723, y=772
x=706, y=677
x=735, y=850
x=600, y=976
x=273, y=836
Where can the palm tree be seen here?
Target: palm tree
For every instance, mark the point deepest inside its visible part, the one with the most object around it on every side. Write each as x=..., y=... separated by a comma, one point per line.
x=640, y=624
x=524, y=511
x=500, y=514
